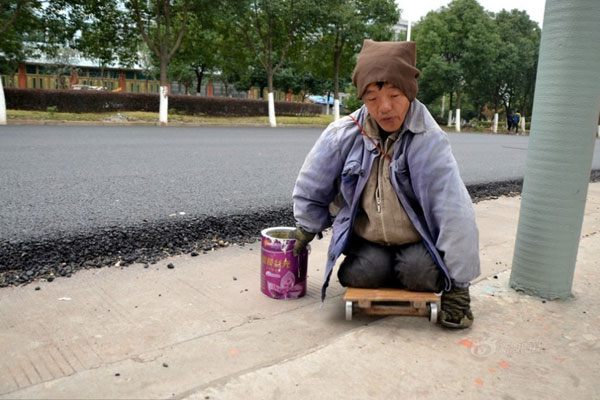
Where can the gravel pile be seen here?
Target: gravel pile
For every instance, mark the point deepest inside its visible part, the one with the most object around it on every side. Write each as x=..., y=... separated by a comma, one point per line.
x=26, y=261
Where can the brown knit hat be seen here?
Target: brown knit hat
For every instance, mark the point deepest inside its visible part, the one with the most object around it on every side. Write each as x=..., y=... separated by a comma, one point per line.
x=392, y=62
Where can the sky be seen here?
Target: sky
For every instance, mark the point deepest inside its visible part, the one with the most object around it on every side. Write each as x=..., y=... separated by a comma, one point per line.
x=413, y=10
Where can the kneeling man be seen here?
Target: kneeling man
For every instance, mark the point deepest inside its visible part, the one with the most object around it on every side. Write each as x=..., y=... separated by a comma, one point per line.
x=387, y=181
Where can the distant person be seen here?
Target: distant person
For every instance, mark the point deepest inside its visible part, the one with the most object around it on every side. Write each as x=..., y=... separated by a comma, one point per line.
x=509, y=122
x=387, y=181
x=516, y=119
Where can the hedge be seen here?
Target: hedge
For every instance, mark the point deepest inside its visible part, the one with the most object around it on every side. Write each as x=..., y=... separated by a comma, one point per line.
x=90, y=101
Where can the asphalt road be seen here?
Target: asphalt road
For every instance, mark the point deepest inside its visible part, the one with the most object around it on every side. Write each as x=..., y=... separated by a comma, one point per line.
x=64, y=179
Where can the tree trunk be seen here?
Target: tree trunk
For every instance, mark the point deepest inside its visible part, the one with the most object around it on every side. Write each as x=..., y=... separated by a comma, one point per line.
x=2, y=105
x=102, y=76
x=270, y=81
x=495, y=129
x=164, y=99
x=272, y=119
x=199, y=75
x=458, y=117
x=443, y=105
x=336, y=85
x=336, y=74
x=338, y=48
x=225, y=87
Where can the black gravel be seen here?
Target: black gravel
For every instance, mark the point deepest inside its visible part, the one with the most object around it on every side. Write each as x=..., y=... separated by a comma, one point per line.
x=22, y=262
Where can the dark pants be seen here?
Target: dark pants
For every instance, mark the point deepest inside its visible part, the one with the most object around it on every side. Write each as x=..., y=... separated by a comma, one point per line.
x=370, y=265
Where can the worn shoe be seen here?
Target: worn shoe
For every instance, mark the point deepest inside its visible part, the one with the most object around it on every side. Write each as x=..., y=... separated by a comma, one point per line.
x=456, y=308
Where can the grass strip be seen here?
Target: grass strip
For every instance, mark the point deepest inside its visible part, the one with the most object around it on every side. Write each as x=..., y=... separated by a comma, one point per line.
x=151, y=117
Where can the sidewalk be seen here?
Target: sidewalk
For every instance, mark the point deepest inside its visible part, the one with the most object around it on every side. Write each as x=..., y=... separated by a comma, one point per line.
x=203, y=330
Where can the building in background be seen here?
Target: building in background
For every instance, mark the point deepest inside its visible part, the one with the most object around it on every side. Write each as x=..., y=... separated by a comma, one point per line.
x=71, y=71
x=400, y=30
x=75, y=72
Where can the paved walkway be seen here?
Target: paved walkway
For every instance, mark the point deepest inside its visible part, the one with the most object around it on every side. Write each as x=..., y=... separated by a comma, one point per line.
x=203, y=330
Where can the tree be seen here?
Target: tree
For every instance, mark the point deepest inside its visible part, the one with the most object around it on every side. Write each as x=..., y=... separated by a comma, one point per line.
x=347, y=24
x=63, y=65
x=162, y=25
x=9, y=43
x=453, y=49
x=491, y=58
x=201, y=44
x=234, y=62
x=296, y=77
x=27, y=26
x=107, y=35
x=270, y=28
x=520, y=37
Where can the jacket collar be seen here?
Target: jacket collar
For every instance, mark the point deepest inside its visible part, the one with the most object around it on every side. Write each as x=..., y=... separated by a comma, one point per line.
x=415, y=118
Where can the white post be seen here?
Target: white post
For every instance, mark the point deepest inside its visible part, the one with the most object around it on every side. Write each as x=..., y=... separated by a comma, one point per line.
x=495, y=123
x=449, y=118
x=2, y=105
x=523, y=126
x=336, y=109
x=408, y=32
x=163, y=116
x=272, y=110
x=443, y=106
x=457, y=120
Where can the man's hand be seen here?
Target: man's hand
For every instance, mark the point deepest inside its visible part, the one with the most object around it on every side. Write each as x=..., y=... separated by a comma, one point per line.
x=456, y=308
x=302, y=239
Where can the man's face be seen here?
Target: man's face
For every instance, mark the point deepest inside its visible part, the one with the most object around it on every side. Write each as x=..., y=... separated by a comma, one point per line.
x=387, y=105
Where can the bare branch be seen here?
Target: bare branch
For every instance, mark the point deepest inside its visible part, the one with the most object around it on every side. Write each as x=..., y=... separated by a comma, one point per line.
x=287, y=46
x=283, y=53
x=13, y=17
x=167, y=11
x=259, y=26
x=140, y=24
x=181, y=31
x=158, y=29
x=251, y=45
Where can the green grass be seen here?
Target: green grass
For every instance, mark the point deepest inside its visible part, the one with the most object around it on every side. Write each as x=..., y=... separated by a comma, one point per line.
x=151, y=118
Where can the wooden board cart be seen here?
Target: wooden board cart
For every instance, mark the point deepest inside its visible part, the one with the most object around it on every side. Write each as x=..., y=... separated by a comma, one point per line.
x=393, y=302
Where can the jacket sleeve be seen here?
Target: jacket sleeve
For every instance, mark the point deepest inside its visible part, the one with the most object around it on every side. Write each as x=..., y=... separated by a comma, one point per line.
x=446, y=204
x=316, y=183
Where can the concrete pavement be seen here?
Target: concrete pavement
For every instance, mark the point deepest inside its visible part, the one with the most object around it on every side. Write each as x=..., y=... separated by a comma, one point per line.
x=203, y=330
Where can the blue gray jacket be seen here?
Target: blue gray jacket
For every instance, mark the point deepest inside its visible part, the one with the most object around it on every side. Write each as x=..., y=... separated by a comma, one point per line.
x=424, y=175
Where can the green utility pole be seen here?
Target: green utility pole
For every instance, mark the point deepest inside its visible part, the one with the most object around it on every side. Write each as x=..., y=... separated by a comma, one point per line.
x=561, y=148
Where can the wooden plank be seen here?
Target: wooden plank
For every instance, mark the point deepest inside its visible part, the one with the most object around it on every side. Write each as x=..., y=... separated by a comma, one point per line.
x=393, y=310
x=419, y=304
x=364, y=303
x=386, y=294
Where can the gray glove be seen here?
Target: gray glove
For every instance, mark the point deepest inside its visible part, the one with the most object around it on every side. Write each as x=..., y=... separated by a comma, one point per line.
x=302, y=239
